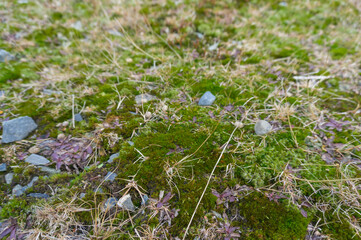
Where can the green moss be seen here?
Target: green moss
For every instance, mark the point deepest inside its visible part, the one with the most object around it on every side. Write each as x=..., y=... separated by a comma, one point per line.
x=266, y=219
x=14, y=208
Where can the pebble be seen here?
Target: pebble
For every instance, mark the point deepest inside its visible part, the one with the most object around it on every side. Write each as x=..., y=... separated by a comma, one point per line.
x=18, y=190
x=60, y=136
x=262, y=127
x=78, y=117
x=38, y=195
x=5, y=56
x=34, y=149
x=17, y=129
x=3, y=167
x=49, y=170
x=112, y=157
x=143, y=98
x=126, y=203
x=82, y=195
x=31, y=183
x=207, y=99
x=145, y=199
x=36, y=159
x=110, y=176
x=110, y=203
x=9, y=178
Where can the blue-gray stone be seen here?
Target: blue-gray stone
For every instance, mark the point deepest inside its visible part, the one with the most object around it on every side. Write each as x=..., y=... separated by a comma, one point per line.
x=144, y=98
x=207, y=99
x=18, y=190
x=78, y=117
x=145, y=199
x=38, y=195
x=5, y=56
x=110, y=203
x=31, y=183
x=126, y=203
x=82, y=195
x=9, y=178
x=3, y=167
x=262, y=127
x=110, y=176
x=49, y=170
x=17, y=129
x=36, y=159
x=112, y=157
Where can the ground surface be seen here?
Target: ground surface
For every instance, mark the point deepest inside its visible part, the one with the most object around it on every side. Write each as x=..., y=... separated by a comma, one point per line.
x=295, y=64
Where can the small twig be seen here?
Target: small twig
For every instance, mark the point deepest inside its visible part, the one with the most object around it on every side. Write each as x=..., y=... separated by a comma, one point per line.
x=72, y=111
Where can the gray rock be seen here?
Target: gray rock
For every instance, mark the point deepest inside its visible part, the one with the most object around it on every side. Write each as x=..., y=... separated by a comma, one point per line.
x=31, y=183
x=126, y=203
x=17, y=129
x=207, y=99
x=18, y=190
x=143, y=98
x=49, y=170
x=50, y=92
x=110, y=203
x=78, y=117
x=110, y=176
x=262, y=127
x=145, y=199
x=82, y=195
x=9, y=178
x=5, y=56
x=3, y=167
x=38, y=195
x=36, y=159
x=112, y=157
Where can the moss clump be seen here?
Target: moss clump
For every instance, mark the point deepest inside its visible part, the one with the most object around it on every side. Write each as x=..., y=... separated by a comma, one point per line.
x=13, y=208
x=265, y=219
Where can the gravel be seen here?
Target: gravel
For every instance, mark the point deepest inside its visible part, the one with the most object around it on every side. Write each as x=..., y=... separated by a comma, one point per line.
x=110, y=176
x=3, y=167
x=207, y=99
x=110, y=203
x=9, y=178
x=78, y=117
x=262, y=127
x=17, y=129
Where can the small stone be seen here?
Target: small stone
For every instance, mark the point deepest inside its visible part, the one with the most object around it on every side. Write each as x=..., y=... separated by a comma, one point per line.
x=3, y=167
x=5, y=56
x=60, y=136
x=110, y=203
x=65, y=123
x=49, y=170
x=112, y=157
x=110, y=176
x=144, y=98
x=34, y=149
x=17, y=129
x=38, y=195
x=18, y=190
x=262, y=127
x=78, y=117
x=9, y=178
x=148, y=115
x=36, y=159
x=50, y=92
x=81, y=195
x=145, y=199
x=126, y=203
x=207, y=99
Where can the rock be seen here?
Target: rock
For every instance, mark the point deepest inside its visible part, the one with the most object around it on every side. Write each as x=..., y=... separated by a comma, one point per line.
x=143, y=98
x=126, y=203
x=9, y=178
x=110, y=203
x=49, y=170
x=3, y=167
x=81, y=195
x=207, y=99
x=110, y=176
x=112, y=157
x=78, y=117
x=18, y=190
x=262, y=127
x=34, y=149
x=5, y=56
x=60, y=136
x=145, y=199
x=38, y=195
x=31, y=183
x=50, y=92
x=36, y=159
x=17, y=129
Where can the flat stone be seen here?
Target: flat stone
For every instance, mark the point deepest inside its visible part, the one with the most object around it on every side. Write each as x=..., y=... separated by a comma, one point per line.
x=78, y=117
x=145, y=199
x=112, y=157
x=110, y=176
x=207, y=99
x=38, y=195
x=3, y=167
x=262, y=127
x=5, y=56
x=36, y=159
x=110, y=203
x=18, y=190
x=9, y=178
x=17, y=129
x=31, y=183
x=126, y=203
x=49, y=170
x=144, y=98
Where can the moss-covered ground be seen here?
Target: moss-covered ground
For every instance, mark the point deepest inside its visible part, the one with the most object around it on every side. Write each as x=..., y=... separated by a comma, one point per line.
x=295, y=64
